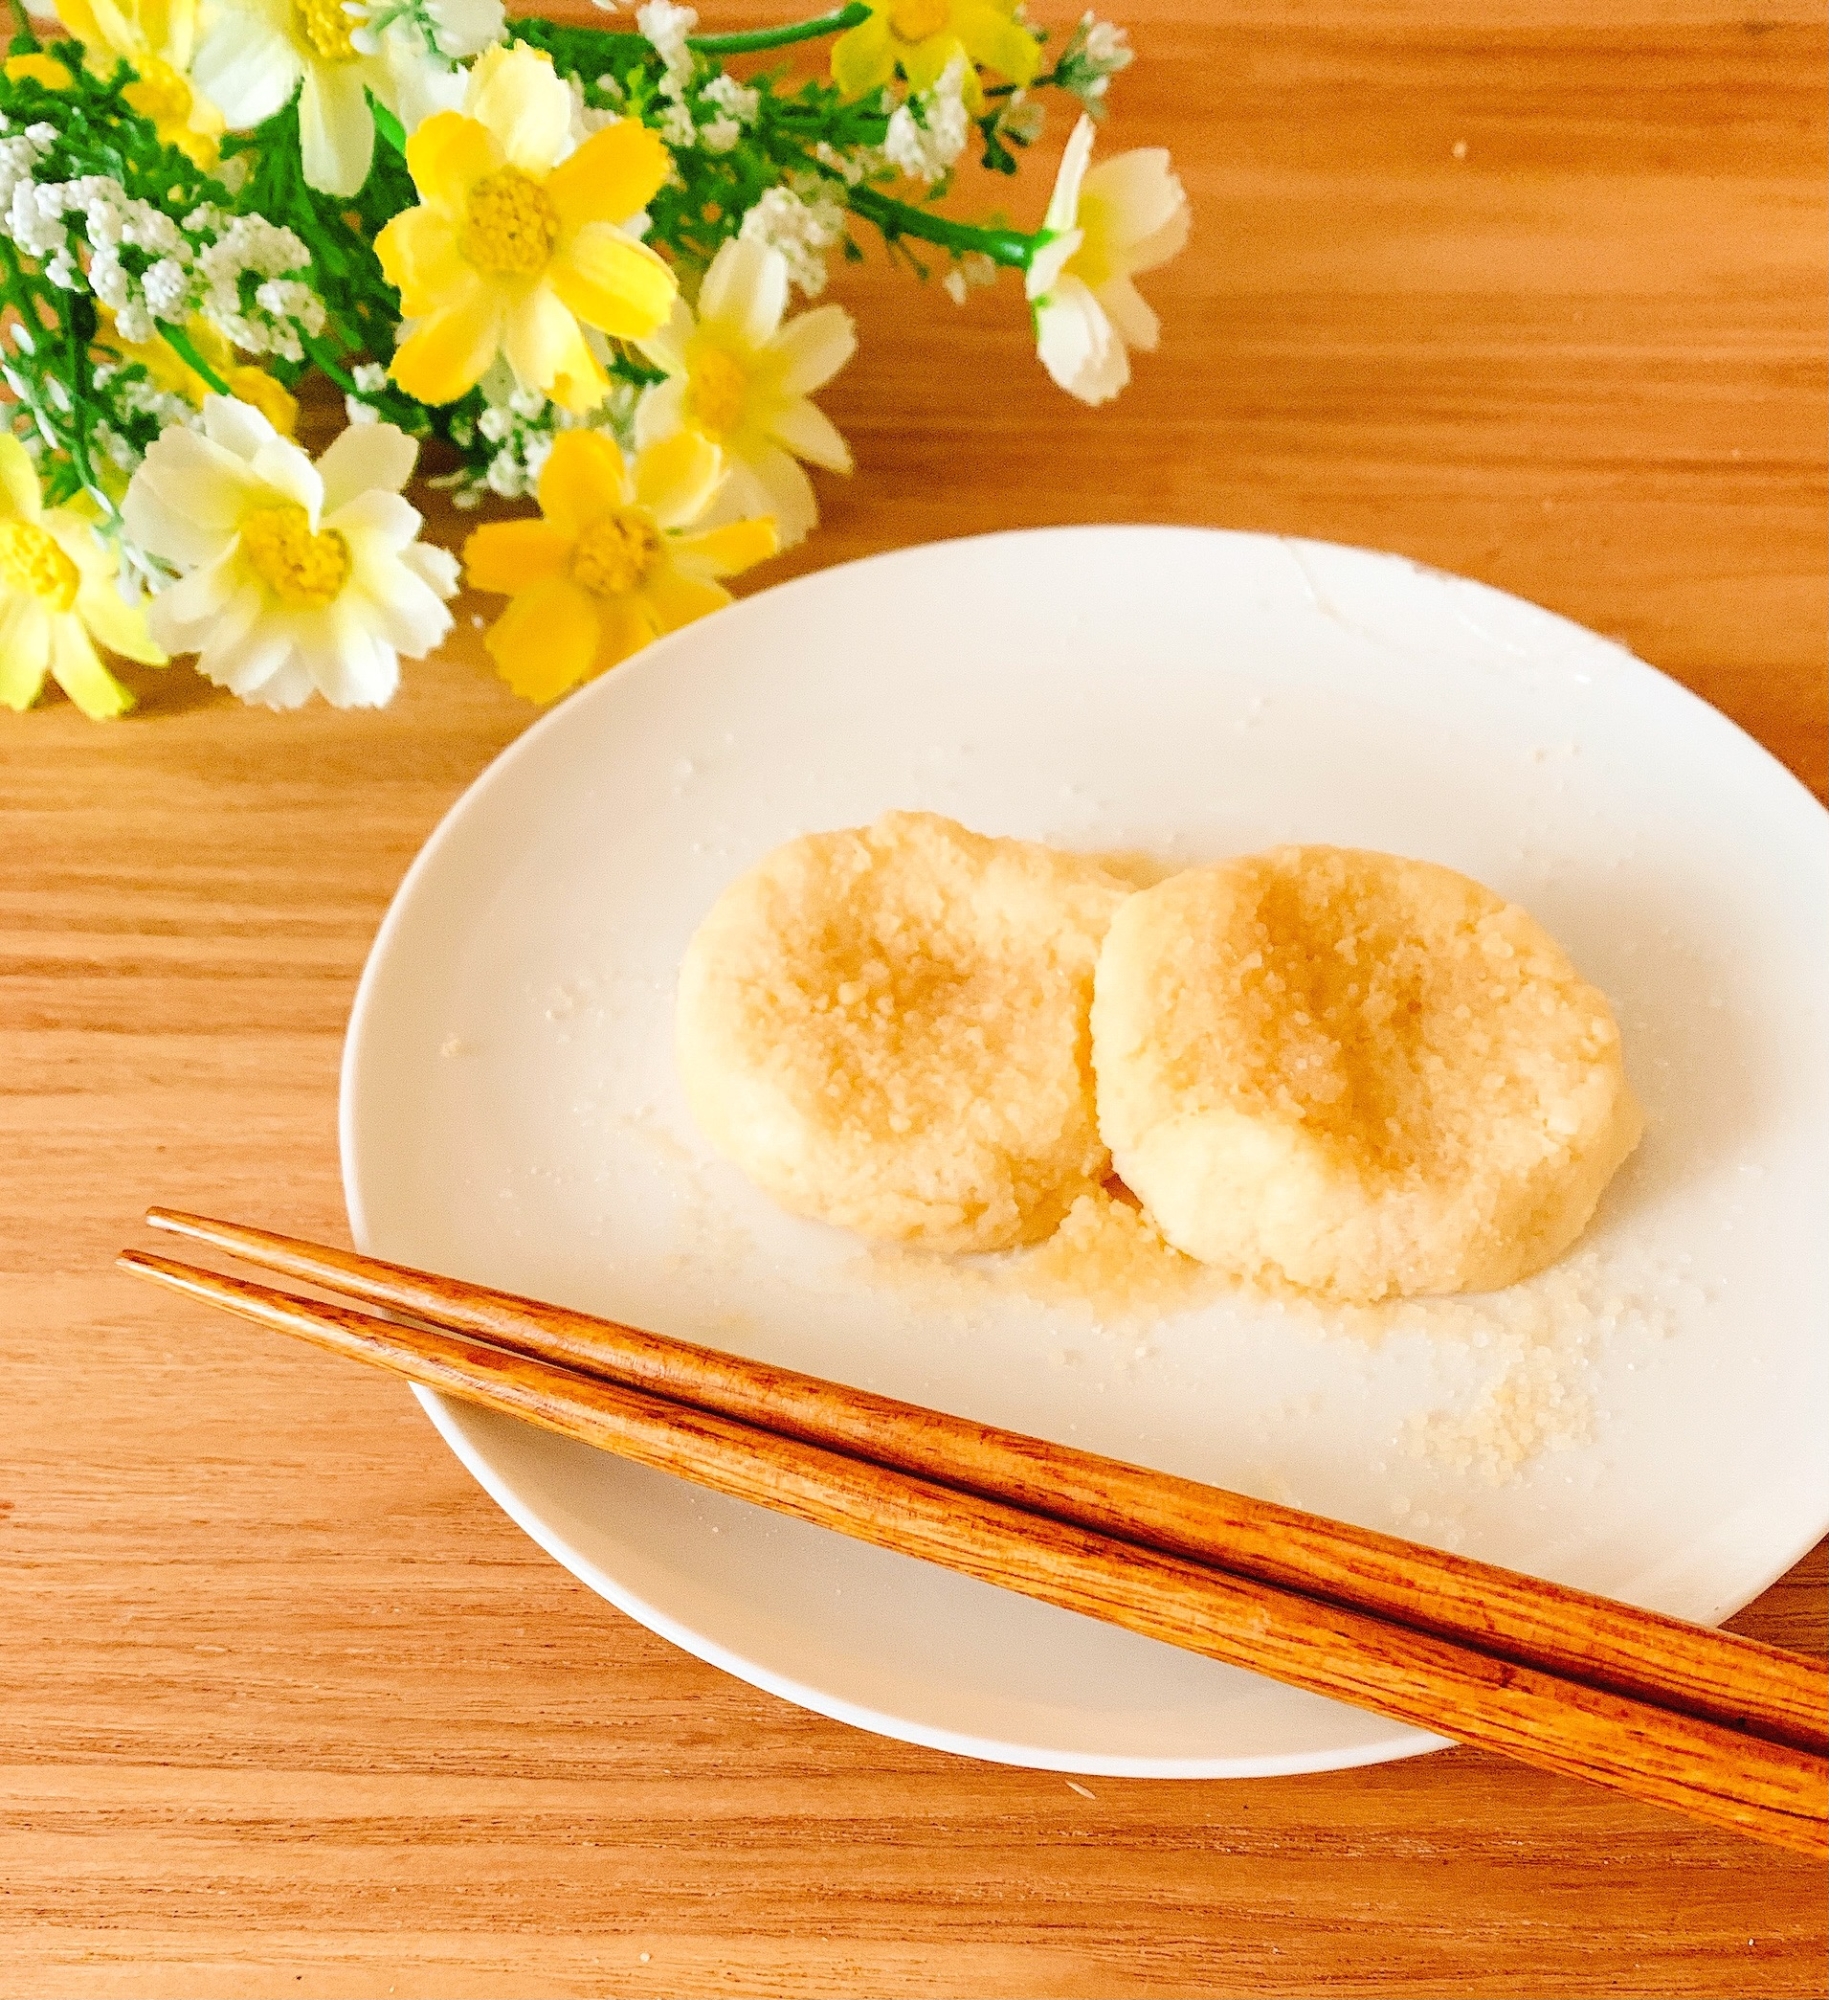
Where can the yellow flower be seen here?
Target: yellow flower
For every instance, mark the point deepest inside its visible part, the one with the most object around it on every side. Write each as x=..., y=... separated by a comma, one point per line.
x=737, y=374
x=156, y=38
x=167, y=370
x=920, y=37
x=57, y=597
x=514, y=251
x=46, y=69
x=611, y=565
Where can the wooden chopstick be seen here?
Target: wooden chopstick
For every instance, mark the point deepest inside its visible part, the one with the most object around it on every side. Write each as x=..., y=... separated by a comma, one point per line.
x=1716, y=1676
x=1769, y=1790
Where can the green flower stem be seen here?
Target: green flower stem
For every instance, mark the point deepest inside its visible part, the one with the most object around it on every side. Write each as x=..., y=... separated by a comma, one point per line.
x=389, y=127
x=749, y=40
x=185, y=349
x=327, y=365
x=23, y=30
x=900, y=218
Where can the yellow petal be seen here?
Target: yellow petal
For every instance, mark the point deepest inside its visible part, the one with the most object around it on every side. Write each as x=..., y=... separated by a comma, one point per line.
x=44, y=69
x=864, y=59
x=546, y=349
x=729, y=550
x=451, y=351
x=627, y=627
x=674, y=599
x=447, y=155
x=524, y=102
x=508, y=557
x=676, y=478
x=420, y=259
x=612, y=176
x=546, y=641
x=584, y=478
x=25, y=649
x=18, y=480
x=613, y=283
x=1000, y=43
x=80, y=673
x=120, y=626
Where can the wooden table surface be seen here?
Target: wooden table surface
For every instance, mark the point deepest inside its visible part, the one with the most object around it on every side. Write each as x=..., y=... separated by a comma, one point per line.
x=1529, y=289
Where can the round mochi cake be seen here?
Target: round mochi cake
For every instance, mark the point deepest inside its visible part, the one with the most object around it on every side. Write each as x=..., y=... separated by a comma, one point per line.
x=887, y=1028
x=1364, y=1076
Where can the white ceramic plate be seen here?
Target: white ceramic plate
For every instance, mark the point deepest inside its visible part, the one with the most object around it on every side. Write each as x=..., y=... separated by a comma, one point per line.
x=1645, y=1420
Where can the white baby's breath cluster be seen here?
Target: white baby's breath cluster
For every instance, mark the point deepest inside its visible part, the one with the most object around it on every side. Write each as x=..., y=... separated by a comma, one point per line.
x=927, y=134
x=520, y=425
x=803, y=224
x=1096, y=51
x=973, y=272
x=89, y=234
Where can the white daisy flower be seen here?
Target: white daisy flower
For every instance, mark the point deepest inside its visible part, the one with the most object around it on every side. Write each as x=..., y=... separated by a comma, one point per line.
x=1126, y=215
x=295, y=576
x=740, y=377
x=255, y=53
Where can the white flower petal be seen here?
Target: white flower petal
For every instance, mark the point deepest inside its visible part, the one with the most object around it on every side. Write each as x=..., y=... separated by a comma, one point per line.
x=289, y=478
x=812, y=349
x=351, y=664
x=661, y=412
x=237, y=426
x=180, y=617
x=1045, y=265
x=438, y=569
x=1078, y=346
x=378, y=521
x=1125, y=307
x=187, y=499
x=1064, y=202
x=245, y=662
x=666, y=345
x=399, y=607
x=365, y=456
x=745, y=292
x=246, y=66
x=1142, y=200
x=336, y=129
x=810, y=434
x=786, y=493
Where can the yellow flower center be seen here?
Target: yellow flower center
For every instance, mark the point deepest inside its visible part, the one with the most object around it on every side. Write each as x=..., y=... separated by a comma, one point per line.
x=301, y=569
x=918, y=20
x=325, y=26
x=1092, y=262
x=615, y=553
x=31, y=561
x=162, y=94
x=511, y=226
x=719, y=394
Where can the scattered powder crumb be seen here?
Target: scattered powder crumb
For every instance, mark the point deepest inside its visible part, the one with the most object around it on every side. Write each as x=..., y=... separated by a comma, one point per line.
x=1106, y=1259
x=1460, y=149
x=455, y=1045
x=1537, y=1343
x=1108, y=1255
x=1533, y=1346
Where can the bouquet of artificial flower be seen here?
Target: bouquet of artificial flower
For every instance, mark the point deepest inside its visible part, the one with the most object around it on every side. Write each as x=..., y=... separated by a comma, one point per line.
x=566, y=254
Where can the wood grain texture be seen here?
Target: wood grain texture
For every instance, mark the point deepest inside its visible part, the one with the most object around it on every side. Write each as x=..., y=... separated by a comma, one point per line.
x=290, y=1708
